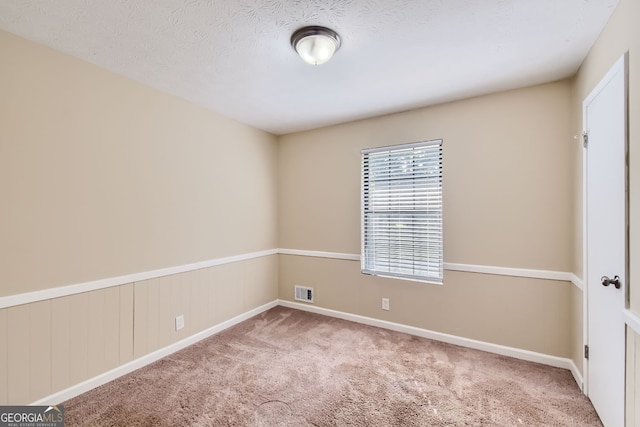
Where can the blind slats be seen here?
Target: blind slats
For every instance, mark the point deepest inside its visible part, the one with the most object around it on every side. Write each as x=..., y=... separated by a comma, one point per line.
x=402, y=211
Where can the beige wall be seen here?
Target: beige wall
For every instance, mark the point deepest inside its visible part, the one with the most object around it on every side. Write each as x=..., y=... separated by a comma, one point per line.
x=48, y=346
x=633, y=379
x=507, y=203
x=513, y=311
x=53, y=344
x=205, y=297
x=101, y=176
x=576, y=311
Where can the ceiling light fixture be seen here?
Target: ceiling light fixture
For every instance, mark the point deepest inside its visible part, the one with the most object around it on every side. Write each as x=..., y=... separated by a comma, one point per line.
x=315, y=45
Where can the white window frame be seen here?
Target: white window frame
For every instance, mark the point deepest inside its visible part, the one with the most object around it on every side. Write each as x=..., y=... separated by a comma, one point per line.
x=401, y=211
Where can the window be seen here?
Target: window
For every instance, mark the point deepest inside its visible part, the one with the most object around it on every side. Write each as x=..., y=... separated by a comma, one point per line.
x=402, y=211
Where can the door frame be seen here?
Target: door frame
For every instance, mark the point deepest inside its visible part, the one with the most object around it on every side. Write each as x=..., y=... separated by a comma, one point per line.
x=621, y=65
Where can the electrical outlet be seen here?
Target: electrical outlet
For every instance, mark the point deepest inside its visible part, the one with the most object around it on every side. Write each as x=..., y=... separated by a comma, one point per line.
x=385, y=304
x=179, y=322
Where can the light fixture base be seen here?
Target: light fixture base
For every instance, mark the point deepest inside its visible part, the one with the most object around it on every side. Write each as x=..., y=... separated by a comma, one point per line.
x=315, y=44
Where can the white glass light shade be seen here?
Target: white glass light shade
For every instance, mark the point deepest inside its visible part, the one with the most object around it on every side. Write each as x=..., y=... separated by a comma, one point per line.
x=315, y=45
x=316, y=49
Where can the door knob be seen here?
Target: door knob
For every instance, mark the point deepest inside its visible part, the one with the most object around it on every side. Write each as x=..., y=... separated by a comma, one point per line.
x=615, y=281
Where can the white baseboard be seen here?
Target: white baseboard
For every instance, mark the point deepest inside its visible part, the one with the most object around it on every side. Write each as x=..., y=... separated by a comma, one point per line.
x=545, y=359
x=83, y=387
x=576, y=375
x=111, y=375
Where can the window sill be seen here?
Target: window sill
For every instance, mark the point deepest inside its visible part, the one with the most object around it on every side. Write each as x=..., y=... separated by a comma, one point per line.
x=409, y=279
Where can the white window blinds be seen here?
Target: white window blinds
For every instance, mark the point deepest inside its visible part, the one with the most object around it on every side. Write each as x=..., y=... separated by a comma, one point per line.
x=402, y=211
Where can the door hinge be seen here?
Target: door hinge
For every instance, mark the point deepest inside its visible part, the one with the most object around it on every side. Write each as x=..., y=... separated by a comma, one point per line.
x=585, y=139
x=586, y=352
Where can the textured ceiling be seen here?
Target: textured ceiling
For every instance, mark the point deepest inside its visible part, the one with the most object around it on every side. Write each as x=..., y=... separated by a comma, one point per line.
x=234, y=57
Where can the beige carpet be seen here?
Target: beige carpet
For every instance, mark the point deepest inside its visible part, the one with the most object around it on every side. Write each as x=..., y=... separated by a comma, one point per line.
x=291, y=368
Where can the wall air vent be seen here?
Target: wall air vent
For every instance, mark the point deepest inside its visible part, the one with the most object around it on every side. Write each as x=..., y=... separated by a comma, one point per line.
x=304, y=294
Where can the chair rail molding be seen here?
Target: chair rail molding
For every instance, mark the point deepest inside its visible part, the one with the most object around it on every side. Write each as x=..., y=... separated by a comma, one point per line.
x=62, y=291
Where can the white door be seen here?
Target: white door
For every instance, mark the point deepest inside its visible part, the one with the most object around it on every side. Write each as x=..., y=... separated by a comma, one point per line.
x=605, y=124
